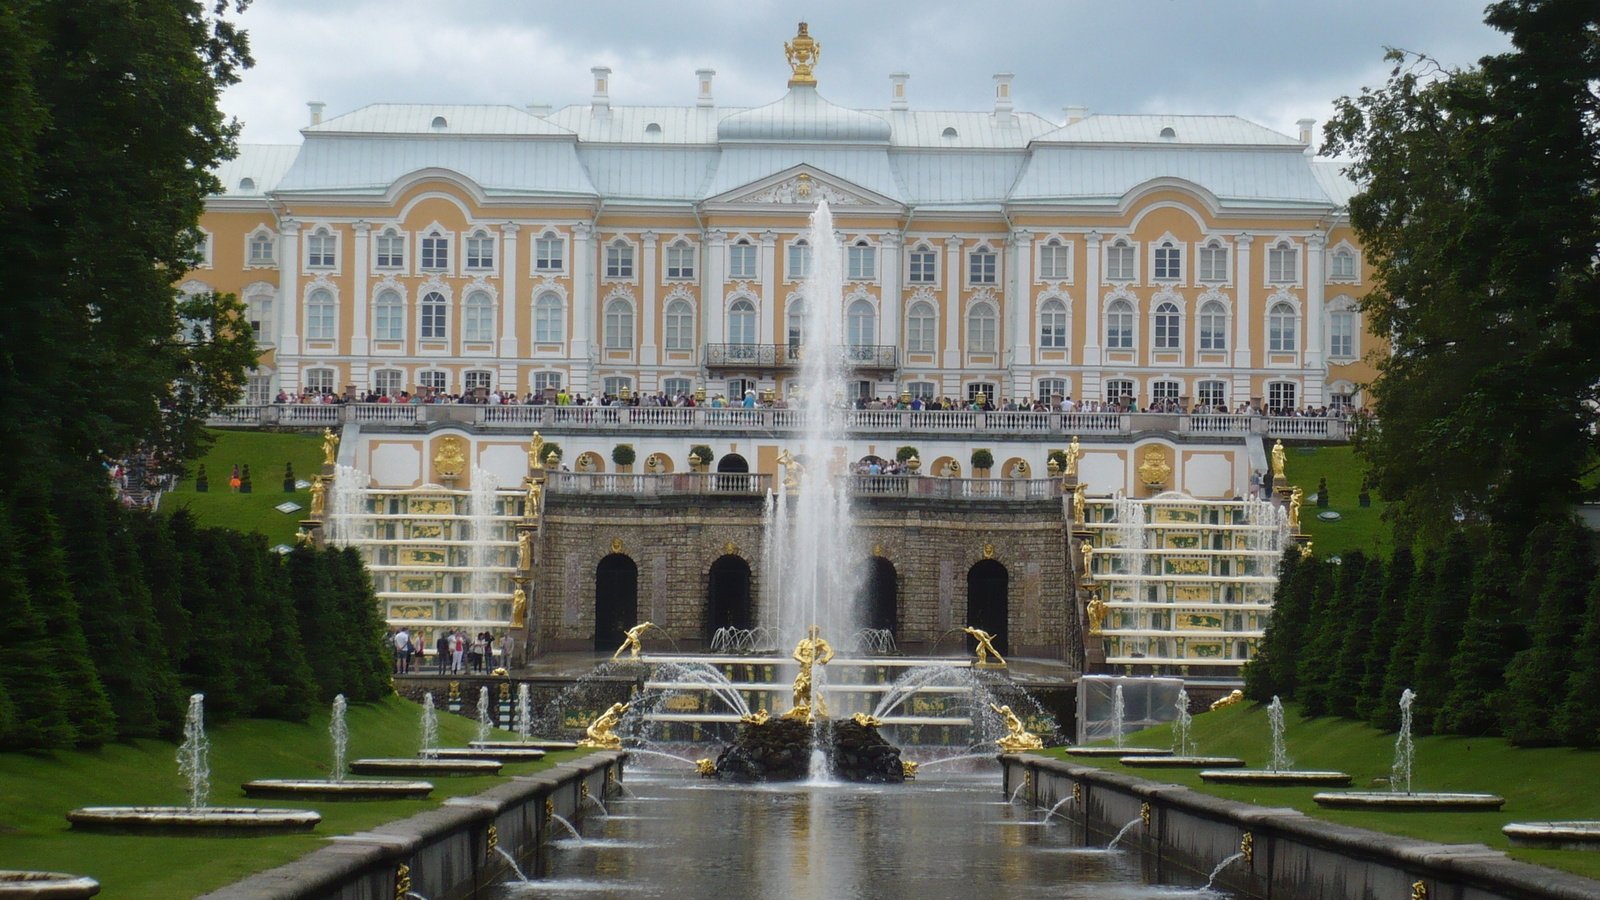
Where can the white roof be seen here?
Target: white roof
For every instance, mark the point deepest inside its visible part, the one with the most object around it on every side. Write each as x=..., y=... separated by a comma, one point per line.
x=1110, y=129
x=649, y=173
x=1338, y=186
x=425, y=118
x=957, y=178
x=865, y=167
x=804, y=116
x=358, y=166
x=631, y=124
x=973, y=130
x=1107, y=173
x=256, y=170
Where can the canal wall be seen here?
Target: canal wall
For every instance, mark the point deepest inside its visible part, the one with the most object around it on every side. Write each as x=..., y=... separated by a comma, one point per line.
x=447, y=853
x=1287, y=854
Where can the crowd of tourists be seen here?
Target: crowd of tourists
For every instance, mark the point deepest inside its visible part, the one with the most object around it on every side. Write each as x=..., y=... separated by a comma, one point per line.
x=454, y=652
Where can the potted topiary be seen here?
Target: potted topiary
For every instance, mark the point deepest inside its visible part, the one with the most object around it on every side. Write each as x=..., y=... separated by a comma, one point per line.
x=201, y=482
x=244, y=480
x=623, y=456
x=905, y=453
x=982, y=461
x=1322, y=493
x=288, y=478
x=700, y=456
x=551, y=448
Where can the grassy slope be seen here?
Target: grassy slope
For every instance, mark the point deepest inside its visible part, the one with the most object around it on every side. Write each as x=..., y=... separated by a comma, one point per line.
x=37, y=790
x=1538, y=784
x=265, y=452
x=1357, y=529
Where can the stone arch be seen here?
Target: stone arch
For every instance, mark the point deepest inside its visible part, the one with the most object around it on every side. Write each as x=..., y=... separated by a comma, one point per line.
x=616, y=600
x=945, y=467
x=658, y=464
x=988, y=601
x=729, y=598
x=881, y=595
x=589, y=462
x=732, y=463
x=1016, y=467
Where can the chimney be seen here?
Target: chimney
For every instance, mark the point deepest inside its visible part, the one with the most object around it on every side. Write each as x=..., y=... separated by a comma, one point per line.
x=316, y=107
x=539, y=109
x=1076, y=114
x=600, y=102
x=703, y=77
x=1307, y=126
x=1002, y=97
x=897, y=90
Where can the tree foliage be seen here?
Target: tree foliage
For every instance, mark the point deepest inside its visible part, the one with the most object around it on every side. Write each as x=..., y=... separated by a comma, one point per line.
x=1480, y=214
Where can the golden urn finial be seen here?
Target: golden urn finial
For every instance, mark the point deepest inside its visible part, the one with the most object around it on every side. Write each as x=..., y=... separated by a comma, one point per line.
x=802, y=53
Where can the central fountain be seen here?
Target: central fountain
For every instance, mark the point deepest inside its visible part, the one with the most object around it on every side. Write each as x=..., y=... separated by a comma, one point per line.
x=1280, y=771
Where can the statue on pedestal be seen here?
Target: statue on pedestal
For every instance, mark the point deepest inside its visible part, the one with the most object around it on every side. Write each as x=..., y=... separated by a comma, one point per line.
x=1018, y=737
x=630, y=640
x=1070, y=469
x=812, y=650
x=519, y=608
x=985, y=649
x=599, y=733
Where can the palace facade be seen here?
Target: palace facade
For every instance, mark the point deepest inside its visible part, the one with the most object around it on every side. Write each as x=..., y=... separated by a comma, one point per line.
x=608, y=248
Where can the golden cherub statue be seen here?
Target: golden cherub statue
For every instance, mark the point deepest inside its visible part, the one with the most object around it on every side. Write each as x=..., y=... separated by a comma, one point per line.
x=759, y=717
x=908, y=769
x=599, y=733
x=705, y=767
x=813, y=650
x=330, y=446
x=866, y=721
x=1070, y=470
x=1098, y=609
x=630, y=640
x=1018, y=738
x=519, y=608
x=985, y=649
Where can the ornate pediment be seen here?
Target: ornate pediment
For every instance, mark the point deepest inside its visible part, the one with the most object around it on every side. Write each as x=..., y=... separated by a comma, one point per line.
x=804, y=187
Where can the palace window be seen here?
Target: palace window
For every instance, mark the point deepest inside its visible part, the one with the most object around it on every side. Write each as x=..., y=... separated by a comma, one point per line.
x=1052, y=389
x=861, y=324
x=435, y=252
x=434, y=379
x=1120, y=264
x=921, y=328
x=1213, y=326
x=258, y=389
x=1119, y=325
x=388, y=382
x=1052, y=325
x=619, y=259
x=797, y=324
x=980, y=387
x=799, y=261
x=1214, y=263
x=1281, y=327
x=742, y=322
x=1283, y=263
x=981, y=266
x=263, y=248
x=1213, y=395
x=1168, y=261
x=863, y=262
x=321, y=316
x=923, y=389
x=1164, y=391
x=434, y=317
x=478, y=318
x=390, y=249
x=1342, y=334
x=389, y=317
x=679, y=326
x=616, y=384
x=1119, y=390
x=477, y=379
x=924, y=266
x=319, y=380
x=549, y=253
x=1281, y=397
x=1342, y=265
x=981, y=326
x=546, y=380
x=680, y=260
x=549, y=319
x=676, y=387
x=480, y=250
x=1055, y=261
x=742, y=260
x=619, y=325
x=321, y=246
x=258, y=307
x=1168, y=326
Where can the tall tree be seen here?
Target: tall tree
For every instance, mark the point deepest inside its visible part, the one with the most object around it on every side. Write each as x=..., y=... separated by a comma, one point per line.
x=1490, y=637
x=1272, y=671
x=27, y=672
x=1537, y=676
x=1480, y=215
x=1444, y=615
x=1362, y=611
x=1324, y=634
x=1400, y=672
x=1577, y=715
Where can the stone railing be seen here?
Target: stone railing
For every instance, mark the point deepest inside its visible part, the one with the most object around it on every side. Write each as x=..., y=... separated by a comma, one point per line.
x=700, y=483
x=673, y=483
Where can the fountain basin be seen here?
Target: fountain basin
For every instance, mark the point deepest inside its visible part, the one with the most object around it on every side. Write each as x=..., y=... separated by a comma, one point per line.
x=503, y=754
x=213, y=821
x=46, y=885
x=1578, y=834
x=1182, y=762
x=1417, y=801
x=426, y=767
x=338, y=790
x=1117, y=751
x=524, y=745
x=1269, y=778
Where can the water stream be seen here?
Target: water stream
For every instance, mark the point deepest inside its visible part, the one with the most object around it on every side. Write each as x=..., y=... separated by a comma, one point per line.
x=1218, y=870
x=194, y=756
x=1405, y=752
x=1182, y=743
x=524, y=713
x=429, y=744
x=1123, y=832
x=339, y=731
x=1280, y=755
x=485, y=724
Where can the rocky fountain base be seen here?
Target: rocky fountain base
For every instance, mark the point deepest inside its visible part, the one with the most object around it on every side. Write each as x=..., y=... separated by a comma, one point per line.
x=781, y=750
x=1276, y=778
x=46, y=885
x=322, y=789
x=1582, y=834
x=1415, y=802
x=1182, y=762
x=219, y=821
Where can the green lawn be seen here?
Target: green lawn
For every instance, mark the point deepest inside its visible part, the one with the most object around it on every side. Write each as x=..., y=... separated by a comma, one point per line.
x=1538, y=784
x=1357, y=528
x=36, y=790
x=265, y=453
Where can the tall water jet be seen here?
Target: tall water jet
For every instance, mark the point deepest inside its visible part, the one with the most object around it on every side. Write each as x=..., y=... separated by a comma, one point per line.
x=346, y=505
x=1405, y=751
x=429, y=748
x=340, y=732
x=1182, y=744
x=1118, y=714
x=1400, y=796
x=524, y=713
x=1280, y=761
x=194, y=756
x=482, y=506
x=1280, y=768
x=485, y=724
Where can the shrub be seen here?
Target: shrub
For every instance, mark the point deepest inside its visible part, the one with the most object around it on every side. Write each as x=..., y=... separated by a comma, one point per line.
x=701, y=453
x=982, y=459
x=905, y=453
x=622, y=454
x=1060, y=457
x=553, y=447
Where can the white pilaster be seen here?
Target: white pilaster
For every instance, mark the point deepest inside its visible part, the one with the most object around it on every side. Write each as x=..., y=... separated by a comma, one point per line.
x=1091, y=300
x=889, y=304
x=647, y=302
x=1316, y=373
x=713, y=288
x=952, y=302
x=1021, y=301
x=766, y=266
x=289, y=292
x=583, y=305
x=508, y=291
x=360, y=303
x=1244, y=324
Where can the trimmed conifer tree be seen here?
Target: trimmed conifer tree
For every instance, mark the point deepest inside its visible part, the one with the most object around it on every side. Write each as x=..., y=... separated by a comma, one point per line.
x=27, y=674
x=208, y=588
x=1539, y=673
x=1443, y=620
x=1272, y=671
x=148, y=638
x=1361, y=614
x=1492, y=634
x=367, y=665
x=1386, y=622
x=1577, y=718
x=163, y=573
x=1324, y=636
x=288, y=690
x=309, y=582
x=1401, y=671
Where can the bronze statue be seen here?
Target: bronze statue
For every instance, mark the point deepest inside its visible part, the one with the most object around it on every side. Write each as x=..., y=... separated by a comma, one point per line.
x=599, y=733
x=1018, y=738
x=519, y=608
x=811, y=651
x=630, y=640
x=330, y=446
x=985, y=649
x=1070, y=470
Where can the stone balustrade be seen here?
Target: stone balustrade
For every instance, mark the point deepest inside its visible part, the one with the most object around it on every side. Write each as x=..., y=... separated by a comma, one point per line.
x=919, y=487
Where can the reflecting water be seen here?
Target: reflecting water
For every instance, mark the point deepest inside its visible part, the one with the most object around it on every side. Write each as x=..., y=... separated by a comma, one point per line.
x=943, y=837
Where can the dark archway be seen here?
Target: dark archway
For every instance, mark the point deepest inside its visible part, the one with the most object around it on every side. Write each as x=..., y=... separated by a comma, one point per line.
x=733, y=463
x=616, y=600
x=728, y=596
x=882, y=587
x=988, y=585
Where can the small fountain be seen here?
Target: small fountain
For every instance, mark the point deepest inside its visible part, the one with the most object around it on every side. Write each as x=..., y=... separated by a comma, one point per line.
x=1183, y=748
x=196, y=818
x=336, y=786
x=1118, y=716
x=1400, y=795
x=524, y=723
x=430, y=760
x=1281, y=770
x=483, y=748
x=46, y=885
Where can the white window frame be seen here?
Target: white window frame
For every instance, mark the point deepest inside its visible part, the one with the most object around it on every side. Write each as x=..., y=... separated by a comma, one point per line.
x=549, y=252
x=918, y=342
x=618, y=324
x=1342, y=308
x=389, y=390
x=397, y=323
x=798, y=260
x=744, y=260
x=389, y=250
x=620, y=260
x=932, y=281
x=1280, y=388
x=473, y=250
x=1212, y=311
x=1222, y=252
x=677, y=332
x=1048, y=388
x=616, y=384
x=550, y=317
x=1166, y=260
x=320, y=378
x=1344, y=250
x=1165, y=389
x=433, y=250
x=478, y=318
x=983, y=328
x=861, y=323
x=983, y=266
x=258, y=237
x=927, y=390
x=204, y=245
x=483, y=377
x=1218, y=398
x=1131, y=389
x=744, y=321
x=794, y=316
x=988, y=388
x=680, y=260
x=322, y=249
x=861, y=262
x=258, y=387
x=428, y=320
x=1166, y=337
x=1281, y=339
x=1126, y=254
x=434, y=379
x=1122, y=310
x=1283, y=263
x=676, y=386
x=318, y=327
x=260, y=302
x=1055, y=260
x=541, y=380
x=1055, y=324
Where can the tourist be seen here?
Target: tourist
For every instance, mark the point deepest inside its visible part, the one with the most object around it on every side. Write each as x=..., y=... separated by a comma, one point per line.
x=458, y=651
x=487, y=638
x=441, y=648
x=402, y=651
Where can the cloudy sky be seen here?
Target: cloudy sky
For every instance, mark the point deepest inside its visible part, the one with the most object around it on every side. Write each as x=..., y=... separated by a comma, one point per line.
x=1271, y=61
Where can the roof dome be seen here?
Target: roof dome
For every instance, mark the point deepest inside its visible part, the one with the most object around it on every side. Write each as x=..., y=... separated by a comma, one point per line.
x=803, y=115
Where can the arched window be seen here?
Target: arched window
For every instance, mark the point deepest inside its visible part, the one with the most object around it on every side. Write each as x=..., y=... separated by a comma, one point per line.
x=1281, y=327
x=863, y=262
x=861, y=324
x=478, y=317
x=619, y=259
x=322, y=317
x=1052, y=325
x=982, y=264
x=742, y=322
x=797, y=323
x=922, y=325
x=981, y=326
x=680, y=260
x=1283, y=263
x=548, y=252
x=1213, y=326
x=389, y=317
x=676, y=387
x=549, y=319
x=258, y=306
x=1168, y=260
x=1055, y=260
x=1214, y=262
x=1342, y=265
x=923, y=265
x=321, y=247
x=263, y=248
x=1342, y=333
x=679, y=325
x=390, y=249
x=435, y=251
x=1119, y=325
x=1120, y=264
x=619, y=324
x=741, y=260
x=477, y=380
x=480, y=250
x=435, y=317
x=1168, y=327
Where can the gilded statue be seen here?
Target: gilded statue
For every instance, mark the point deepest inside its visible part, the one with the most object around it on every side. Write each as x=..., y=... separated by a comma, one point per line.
x=1018, y=737
x=319, y=496
x=705, y=767
x=599, y=733
x=1097, y=614
x=866, y=721
x=1279, y=456
x=630, y=640
x=1074, y=453
x=802, y=53
x=1080, y=502
x=330, y=446
x=536, y=453
x=759, y=717
x=1154, y=470
x=1296, y=498
x=530, y=502
x=812, y=650
x=908, y=769
x=1236, y=696
x=791, y=470
x=519, y=608
x=524, y=550
x=985, y=649
x=451, y=459
x=1087, y=549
